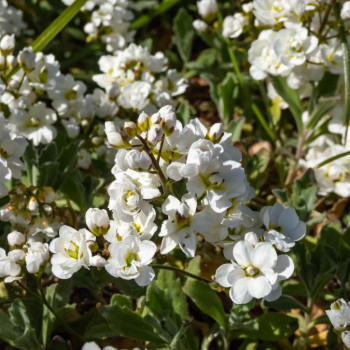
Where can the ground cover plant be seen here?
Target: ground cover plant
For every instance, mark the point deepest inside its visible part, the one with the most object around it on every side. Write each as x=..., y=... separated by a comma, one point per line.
x=174, y=174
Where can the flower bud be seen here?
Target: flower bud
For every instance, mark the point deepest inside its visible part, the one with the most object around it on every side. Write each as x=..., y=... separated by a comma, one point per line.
x=130, y=129
x=200, y=26
x=207, y=9
x=138, y=160
x=16, y=238
x=113, y=91
x=97, y=221
x=155, y=134
x=7, y=44
x=155, y=118
x=26, y=59
x=98, y=261
x=33, y=204
x=143, y=122
x=215, y=133
x=168, y=119
x=345, y=11
x=115, y=137
x=17, y=255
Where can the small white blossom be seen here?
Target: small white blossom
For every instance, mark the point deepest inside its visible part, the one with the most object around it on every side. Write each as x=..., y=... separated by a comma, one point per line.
x=97, y=220
x=130, y=259
x=71, y=251
x=254, y=272
x=37, y=255
x=283, y=226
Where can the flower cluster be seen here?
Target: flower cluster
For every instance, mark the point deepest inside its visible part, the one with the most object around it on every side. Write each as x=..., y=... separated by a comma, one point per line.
x=333, y=177
x=139, y=80
x=11, y=20
x=339, y=315
x=109, y=21
x=11, y=151
x=35, y=220
x=156, y=157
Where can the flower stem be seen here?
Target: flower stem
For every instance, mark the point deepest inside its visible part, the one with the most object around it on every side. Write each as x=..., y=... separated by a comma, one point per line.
x=184, y=272
x=155, y=166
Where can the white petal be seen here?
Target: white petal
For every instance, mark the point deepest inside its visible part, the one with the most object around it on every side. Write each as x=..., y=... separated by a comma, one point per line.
x=259, y=287
x=146, y=276
x=239, y=292
x=284, y=267
x=264, y=256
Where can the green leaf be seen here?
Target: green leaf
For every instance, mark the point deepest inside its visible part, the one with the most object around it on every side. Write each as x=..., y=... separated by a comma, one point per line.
x=48, y=173
x=304, y=195
x=16, y=328
x=346, y=62
x=263, y=122
x=321, y=110
x=57, y=295
x=124, y=322
x=143, y=20
x=275, y=326
x=285, y=303
x=207, y=300
x=291, y=96
x=184, y=33
x=235, y=128
x=171, y=288
x=331, y=159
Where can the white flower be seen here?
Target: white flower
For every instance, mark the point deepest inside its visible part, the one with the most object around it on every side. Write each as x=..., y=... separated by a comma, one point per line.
x=7, y=44
x=129, y=260
x=84, y=159
x=11, y=149
x=181, y=225
x=115, y=137
x=200, y=25
x=131, y=159
x=97, y=220
x=263, y=58
x=339, y=314
x=332, y=55
x=254, y=272
x=233, y=26
x=345, y=337
x=207, y=9
x=9, y=269
x=16, y=238
x=334, y=176
x=72, y=127
x=71, y=251
x=345, y=10
x=272, y=12
x=26, y=59
x=142, y=226
x=218, y=181
x=135, y=96
x=129, y=192
x=93, y=346
x=283, y=226
x=294, y=46
x=11, y=19
x=36, y=124
x=37, y=255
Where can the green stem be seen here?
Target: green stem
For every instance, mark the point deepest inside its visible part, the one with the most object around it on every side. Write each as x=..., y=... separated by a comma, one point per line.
x=155, y=166
x=184, y=272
